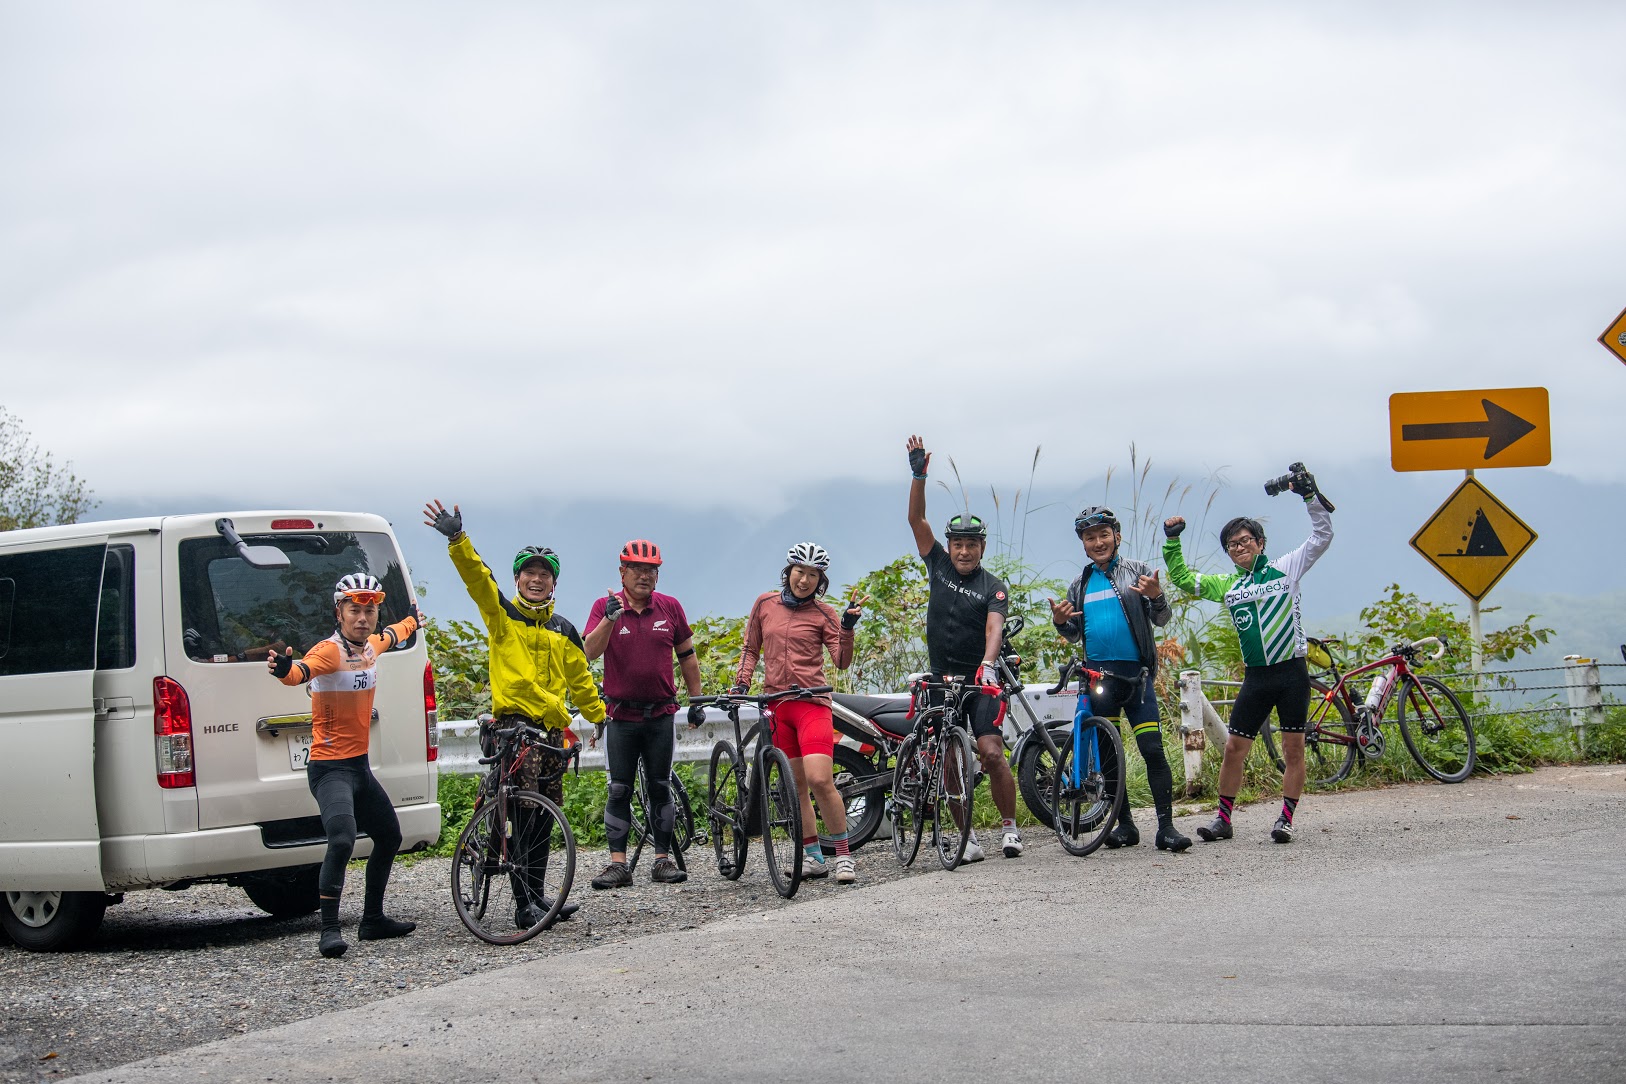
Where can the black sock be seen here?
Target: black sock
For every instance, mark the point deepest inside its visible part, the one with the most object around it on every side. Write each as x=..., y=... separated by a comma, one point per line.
x=330, y=912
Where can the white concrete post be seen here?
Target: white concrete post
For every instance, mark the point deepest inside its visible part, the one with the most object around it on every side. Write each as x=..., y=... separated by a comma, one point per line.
x=1586, y=694
x=1198, y=721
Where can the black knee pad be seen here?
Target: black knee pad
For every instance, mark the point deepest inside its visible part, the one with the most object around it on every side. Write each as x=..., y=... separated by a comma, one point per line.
x=665, y=815
x=341, y=831
x=620, y=792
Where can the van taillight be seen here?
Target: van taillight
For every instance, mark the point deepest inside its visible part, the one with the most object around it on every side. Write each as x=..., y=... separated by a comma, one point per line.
x=431, y=717
x=292, y=525
x=172, y=725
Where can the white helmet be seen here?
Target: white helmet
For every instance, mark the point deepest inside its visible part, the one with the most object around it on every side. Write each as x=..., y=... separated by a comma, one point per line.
x=358, y=587
x=808, y=555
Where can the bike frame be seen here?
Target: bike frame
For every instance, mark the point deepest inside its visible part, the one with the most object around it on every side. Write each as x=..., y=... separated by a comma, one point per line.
x=1396, y=661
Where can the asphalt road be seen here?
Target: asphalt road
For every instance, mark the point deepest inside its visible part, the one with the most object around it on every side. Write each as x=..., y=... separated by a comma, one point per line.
x=1420, y=933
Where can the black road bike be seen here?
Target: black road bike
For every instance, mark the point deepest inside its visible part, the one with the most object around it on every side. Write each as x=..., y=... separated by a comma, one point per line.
x=755, y=798
x=936, y=774
x=516, y=858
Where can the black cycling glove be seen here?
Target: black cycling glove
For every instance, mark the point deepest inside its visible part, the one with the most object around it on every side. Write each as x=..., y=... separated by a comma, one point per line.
x=849, y=618
x=449, y=524
x=917, y=462
x=740, y=689
x=281, y=665
x=1303, y=484
x=1173, y=532
x=612, y=606
x=697, y=714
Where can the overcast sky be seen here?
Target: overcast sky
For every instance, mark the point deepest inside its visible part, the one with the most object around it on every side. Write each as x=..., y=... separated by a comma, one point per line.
x=310, y=253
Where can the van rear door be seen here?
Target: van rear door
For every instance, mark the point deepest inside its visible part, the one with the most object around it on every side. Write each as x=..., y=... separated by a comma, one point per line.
x=49, y=597
x=251, y=733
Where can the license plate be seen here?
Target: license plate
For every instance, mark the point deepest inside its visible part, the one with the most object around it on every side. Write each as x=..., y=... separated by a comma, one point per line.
x=299, y=750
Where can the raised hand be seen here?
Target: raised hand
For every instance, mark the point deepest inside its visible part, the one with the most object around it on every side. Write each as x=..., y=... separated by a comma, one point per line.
x=447, y=523
x=1173, y=526
x=919, y=458
x=1061, y=612
x=1148, y=586
x=279, y=665
x=612, y=606
x=855, y=609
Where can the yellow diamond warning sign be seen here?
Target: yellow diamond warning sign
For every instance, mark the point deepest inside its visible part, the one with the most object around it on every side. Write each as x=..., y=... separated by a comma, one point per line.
x=1473, y=539
x=1614, y=336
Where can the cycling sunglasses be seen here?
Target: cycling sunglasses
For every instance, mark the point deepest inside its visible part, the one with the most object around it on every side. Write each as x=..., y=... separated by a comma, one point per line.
x=364, y=598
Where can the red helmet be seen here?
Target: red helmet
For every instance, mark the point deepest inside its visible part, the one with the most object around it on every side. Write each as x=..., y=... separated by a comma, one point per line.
x=641, y=551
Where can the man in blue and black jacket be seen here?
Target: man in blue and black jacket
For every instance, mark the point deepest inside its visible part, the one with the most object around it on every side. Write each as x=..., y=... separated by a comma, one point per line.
x=1111, y=608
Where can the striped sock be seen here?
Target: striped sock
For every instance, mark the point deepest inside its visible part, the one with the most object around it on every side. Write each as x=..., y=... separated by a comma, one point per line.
x=1289, y=806
x=840, y=840
x=808, y=841
x=1225, y=807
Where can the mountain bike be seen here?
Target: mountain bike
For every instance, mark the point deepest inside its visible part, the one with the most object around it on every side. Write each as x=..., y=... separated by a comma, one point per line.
x=936, y=774
x=516, y=858
x=1433, y=724
x=761, y=800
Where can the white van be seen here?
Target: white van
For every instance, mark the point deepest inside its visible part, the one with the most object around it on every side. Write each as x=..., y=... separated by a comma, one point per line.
x=143, y=744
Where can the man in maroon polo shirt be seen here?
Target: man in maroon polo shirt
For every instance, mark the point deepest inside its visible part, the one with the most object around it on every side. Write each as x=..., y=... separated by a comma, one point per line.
x=639, y=631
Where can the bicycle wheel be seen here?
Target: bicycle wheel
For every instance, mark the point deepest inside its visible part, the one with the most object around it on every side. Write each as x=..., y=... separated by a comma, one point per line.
x=1088, y=786
x=513, y=868
x=954, y=786
x=725, y=810
x=909, y=786
x=782, y=822
x=865, y=810
x=683, y=825
x=1329, y=739
x=1439, y=736
x=1036, y=775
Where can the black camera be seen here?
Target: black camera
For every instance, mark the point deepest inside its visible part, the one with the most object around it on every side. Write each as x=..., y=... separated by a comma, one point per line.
x=1295, y=473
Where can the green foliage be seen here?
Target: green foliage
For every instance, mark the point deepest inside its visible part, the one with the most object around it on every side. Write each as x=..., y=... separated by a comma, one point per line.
x=718, y=642
x=889, y=643
x=1401, y=615
x=462, y=683
x=34, y=491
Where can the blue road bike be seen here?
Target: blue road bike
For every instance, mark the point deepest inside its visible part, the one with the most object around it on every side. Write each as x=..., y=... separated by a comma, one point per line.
x=1087, y=782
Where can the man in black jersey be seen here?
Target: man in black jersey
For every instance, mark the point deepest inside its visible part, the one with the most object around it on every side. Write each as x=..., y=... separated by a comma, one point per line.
x=964, y=617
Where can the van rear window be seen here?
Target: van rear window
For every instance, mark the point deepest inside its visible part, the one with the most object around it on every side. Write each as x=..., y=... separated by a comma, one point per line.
x=233, y=612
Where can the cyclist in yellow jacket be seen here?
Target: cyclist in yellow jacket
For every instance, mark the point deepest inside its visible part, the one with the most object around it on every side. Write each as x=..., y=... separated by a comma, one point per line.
x=535, y=658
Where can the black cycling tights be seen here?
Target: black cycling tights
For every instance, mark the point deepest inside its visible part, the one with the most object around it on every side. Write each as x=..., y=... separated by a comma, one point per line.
x=653, y=741
x=350, y=799
x=1137, y=700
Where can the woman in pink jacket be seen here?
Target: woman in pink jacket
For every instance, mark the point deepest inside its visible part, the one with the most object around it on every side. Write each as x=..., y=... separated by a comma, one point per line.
x=790, y=630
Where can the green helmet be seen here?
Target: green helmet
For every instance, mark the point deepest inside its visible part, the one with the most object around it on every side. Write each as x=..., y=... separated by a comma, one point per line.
x=537, y=553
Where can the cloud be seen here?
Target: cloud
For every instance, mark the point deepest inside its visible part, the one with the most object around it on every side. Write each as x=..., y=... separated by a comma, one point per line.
x=717, y=253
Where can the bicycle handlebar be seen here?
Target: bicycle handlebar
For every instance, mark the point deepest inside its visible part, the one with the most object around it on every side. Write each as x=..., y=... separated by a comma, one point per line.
x=1413, y=647
x=725, y=699
x=1076, y=668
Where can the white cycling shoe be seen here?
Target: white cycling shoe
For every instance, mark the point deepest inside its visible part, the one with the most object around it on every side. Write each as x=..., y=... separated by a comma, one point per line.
x=973, y=851
x=1012, y=844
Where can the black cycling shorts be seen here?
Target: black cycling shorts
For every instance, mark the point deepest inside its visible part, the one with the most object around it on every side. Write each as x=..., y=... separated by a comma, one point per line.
x=1284, y=686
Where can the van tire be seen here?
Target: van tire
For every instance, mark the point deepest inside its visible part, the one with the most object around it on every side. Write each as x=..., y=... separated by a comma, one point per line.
x=285, y=893
x=51, y=921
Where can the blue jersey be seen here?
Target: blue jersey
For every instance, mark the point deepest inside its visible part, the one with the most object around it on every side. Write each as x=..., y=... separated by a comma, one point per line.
x=1106, y=628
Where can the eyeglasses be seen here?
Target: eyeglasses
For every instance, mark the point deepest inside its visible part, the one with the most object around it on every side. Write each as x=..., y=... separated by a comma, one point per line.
x=641, y=570
x=1240, y=542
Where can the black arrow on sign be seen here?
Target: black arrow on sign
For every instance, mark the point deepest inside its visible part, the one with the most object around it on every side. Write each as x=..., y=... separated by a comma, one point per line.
x=1501, y=428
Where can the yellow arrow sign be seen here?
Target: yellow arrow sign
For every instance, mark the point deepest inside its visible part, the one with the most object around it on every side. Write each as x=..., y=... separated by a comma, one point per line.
x=1473, y=539
x=1469, y=430
x=1614, y=337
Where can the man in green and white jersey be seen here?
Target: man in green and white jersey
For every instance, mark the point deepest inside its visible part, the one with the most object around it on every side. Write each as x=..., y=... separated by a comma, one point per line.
x=1263, y=597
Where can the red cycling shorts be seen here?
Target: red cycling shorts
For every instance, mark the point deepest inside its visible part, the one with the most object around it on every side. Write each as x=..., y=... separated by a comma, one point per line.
x=801, y=728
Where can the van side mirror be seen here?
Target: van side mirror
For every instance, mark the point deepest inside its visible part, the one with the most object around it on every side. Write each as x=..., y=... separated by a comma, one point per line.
x=256, y=556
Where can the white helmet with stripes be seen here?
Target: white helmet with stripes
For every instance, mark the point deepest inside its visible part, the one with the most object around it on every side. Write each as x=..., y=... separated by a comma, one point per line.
x=809, y=555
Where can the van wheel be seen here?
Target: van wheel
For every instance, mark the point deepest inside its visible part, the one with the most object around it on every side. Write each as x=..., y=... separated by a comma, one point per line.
x=285, y=893
x=51, y=921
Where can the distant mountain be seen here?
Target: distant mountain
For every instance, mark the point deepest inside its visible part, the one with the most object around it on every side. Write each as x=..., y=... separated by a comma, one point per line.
x=719, y=559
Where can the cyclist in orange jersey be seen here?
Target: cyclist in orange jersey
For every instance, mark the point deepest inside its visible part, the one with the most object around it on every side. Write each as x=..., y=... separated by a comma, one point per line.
x=342, y=671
